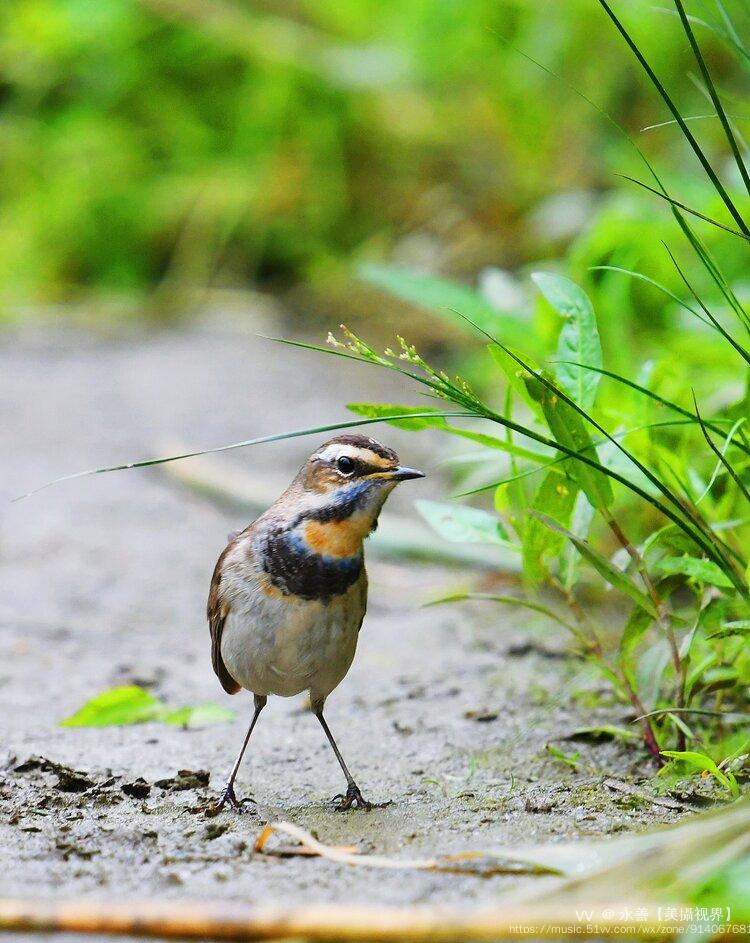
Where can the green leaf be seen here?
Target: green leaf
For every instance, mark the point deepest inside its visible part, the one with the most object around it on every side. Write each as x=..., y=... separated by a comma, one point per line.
x=461, y=524
x=443, y=297
x=738, y=627
x=202, y=715
x=703, y=570
x=570, y=760
x=635, y=628
x=515, y=373
x=129, y=704
x=600, y=563
x=703, y=762
x=579, y=342
x=556, y=497
x=580, y=524
x=385, y=410
x=568, y=428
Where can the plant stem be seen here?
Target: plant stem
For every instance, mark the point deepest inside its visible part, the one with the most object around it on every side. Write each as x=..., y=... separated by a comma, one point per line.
x=663, y=616
x=662, y=612
x=597, y=650
x=648, y=731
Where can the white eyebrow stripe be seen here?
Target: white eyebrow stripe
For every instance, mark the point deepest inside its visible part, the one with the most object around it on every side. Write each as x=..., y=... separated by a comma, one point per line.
x=337, y=449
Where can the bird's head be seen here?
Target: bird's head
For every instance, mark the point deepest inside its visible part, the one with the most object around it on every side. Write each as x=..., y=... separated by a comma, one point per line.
x=340, y=491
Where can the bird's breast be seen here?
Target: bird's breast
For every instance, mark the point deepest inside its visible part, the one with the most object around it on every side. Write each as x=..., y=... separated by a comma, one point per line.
x=337, y=539
x=315, y=561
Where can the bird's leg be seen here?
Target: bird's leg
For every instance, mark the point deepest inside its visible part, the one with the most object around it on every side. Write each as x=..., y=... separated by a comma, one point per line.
x=228, y=796
x=353, y=796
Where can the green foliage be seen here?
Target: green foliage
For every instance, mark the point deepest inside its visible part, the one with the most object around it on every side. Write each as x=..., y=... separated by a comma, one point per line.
x=131, y=704
x=704, y=571
x=607, y=570
x=578, y=346
x=702, y=762
x=162, y=144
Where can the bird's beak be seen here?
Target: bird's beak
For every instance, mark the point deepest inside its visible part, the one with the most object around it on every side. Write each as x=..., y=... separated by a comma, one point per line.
x=402, y=473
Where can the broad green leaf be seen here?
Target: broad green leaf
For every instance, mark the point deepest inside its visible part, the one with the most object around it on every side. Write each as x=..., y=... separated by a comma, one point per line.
x=703, y=762
x=384, y=410
x=445, y=298
x=568, y=428
x=704, y=570
x=600, y=563
x=129, y=704
x=578, y=346
x=461, y=524
x=555, y=496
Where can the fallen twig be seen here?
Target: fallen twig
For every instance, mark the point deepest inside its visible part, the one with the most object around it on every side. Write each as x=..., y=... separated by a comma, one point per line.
x=228, y=921
x=467, y=862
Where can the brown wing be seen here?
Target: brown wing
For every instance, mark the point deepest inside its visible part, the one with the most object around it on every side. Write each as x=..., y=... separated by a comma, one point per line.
x=217, y=611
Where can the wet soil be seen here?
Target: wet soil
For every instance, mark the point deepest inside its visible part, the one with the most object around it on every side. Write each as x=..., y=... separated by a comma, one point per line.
x=445, y=715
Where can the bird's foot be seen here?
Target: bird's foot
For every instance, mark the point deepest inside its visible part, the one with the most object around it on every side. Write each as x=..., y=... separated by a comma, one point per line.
x=229, y=798
x=353, y=797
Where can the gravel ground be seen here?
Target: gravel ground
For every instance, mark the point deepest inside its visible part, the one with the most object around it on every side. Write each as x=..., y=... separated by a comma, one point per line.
x=445, y=715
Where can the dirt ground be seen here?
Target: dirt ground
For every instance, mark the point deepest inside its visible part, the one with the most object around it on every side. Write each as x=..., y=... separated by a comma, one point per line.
x=446, y=713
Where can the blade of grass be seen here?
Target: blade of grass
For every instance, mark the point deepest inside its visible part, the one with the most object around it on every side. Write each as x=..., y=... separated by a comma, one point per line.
x=651, y=281
x=713, y=93
x=606, y=570
x=712, y=268
x=720, y=454
x=686, y=208
x=719, y=327
x=276, y=437
x=509, y=601
x=688, y=134
x=671, y=121
x=728, y=441
x=663, y=402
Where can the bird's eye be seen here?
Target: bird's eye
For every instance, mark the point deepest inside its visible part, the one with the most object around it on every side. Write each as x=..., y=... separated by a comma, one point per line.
x=345, y=465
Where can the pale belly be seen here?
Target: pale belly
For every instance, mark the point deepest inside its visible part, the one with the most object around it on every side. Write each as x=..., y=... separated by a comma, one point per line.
x=283, y=645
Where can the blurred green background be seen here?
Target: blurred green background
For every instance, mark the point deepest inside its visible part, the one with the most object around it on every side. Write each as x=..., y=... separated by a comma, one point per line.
x=153, y=149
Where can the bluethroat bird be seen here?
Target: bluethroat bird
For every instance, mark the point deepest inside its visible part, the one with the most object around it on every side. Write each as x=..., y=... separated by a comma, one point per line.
x=289, y=592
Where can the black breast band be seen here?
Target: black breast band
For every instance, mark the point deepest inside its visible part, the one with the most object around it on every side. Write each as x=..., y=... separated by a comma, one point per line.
x=297, y=571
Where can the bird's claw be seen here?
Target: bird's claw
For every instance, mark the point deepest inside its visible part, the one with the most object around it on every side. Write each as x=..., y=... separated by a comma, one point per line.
x=352, y=798
x=229, y=798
